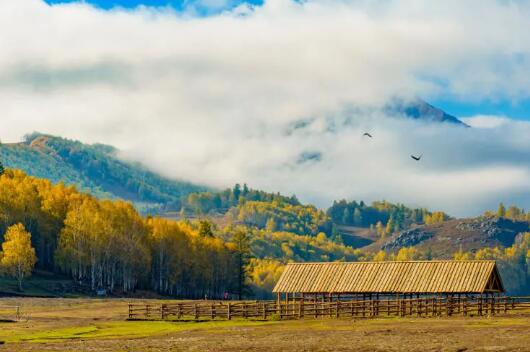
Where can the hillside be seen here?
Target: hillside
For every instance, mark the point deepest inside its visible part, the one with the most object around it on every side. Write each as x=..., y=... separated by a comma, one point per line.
x=469, y=235
x=94, y=169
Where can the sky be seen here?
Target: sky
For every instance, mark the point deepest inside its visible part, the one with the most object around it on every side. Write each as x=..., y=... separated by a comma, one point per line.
x=278, y=94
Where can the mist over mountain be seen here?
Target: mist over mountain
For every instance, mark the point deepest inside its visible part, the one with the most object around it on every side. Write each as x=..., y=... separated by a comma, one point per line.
x=100, y=170
x=96, y=169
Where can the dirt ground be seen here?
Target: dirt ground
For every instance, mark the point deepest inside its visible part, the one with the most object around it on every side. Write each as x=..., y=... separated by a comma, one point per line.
x=100, y=325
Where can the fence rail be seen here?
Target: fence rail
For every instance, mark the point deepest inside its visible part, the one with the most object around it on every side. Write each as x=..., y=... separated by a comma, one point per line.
x=421, y=307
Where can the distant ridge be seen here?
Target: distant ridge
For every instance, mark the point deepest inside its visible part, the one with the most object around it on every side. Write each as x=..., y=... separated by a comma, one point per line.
x=94, y=169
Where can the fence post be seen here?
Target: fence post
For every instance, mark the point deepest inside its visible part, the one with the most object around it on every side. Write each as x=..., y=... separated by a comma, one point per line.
x=130, y=311
x=229, y=311
x=195, y=311
x=163, y=311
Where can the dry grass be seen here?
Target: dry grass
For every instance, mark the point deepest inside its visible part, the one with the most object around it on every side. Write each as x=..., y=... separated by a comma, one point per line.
x=99, y=325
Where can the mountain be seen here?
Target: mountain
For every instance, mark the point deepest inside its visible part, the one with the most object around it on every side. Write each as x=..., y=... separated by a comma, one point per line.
x=95, y=169
x=468, y=235
x=418, y=109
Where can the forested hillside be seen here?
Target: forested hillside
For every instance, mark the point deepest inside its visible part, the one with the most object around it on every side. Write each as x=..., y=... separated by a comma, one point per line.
x=108, y=244
x=94, y=169
x=393, y=217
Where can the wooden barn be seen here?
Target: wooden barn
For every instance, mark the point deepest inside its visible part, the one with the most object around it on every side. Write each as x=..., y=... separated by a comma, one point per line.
x=363, y=290
x=371, y=280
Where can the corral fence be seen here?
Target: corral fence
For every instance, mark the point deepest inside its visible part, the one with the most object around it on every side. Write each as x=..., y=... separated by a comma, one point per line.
x=420, y=307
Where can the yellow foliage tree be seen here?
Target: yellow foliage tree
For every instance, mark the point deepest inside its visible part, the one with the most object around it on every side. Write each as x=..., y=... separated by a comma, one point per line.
x=408, y=253
x=461, y=255
x=380, y=230
x=18, y=256
x=379, y=256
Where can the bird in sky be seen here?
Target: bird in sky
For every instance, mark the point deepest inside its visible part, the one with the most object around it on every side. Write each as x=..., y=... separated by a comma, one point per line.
x=367, y=134
x=417, y=158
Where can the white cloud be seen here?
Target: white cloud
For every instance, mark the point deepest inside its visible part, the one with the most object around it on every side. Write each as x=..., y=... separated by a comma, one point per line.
x=486, y=121
x=213, y=99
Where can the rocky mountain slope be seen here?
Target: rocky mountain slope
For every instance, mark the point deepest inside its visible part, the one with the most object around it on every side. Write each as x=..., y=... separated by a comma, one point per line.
x=466, y=234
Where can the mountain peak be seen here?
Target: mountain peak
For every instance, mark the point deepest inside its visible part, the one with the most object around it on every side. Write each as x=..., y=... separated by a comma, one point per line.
x=419, y=109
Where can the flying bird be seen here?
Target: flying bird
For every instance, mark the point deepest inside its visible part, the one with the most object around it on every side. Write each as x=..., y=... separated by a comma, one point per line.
x=367, y=134
x=417, y=158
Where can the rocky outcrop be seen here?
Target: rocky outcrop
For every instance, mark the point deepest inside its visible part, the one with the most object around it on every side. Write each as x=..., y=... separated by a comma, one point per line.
x=408, y=238
x=467, y=234
x=493, y=228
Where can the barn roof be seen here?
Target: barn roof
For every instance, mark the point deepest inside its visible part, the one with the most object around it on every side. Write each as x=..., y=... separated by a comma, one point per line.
x=471, y=276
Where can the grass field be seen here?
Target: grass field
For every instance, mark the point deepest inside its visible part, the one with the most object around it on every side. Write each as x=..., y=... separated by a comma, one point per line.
x=58, y=324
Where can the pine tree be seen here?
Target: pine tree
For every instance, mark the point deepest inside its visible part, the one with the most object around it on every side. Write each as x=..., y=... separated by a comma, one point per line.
x=2, y=170
x=205, y=228
x=18, y=256
x=245, y=189
x=241, y=240
x=237, y=191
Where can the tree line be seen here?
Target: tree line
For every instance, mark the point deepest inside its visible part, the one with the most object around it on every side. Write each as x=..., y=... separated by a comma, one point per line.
x=393, y=217
x=108, y=244
x=211, y=203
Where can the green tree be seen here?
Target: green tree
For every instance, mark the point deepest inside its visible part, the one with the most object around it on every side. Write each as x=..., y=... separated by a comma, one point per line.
x=205, y=228
x=241, y=242
x=18, y=256
x=2, y=170
x=245, y=189
x=237, y=191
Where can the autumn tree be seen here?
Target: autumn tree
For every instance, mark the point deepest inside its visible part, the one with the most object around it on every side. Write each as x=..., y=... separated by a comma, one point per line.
x=380, y=230
x=18, y=256
x=390, y=226
x=407, y=253
x=501, y=211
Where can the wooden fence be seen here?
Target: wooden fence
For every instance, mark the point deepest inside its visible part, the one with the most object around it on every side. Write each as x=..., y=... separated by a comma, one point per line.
x=420, y=307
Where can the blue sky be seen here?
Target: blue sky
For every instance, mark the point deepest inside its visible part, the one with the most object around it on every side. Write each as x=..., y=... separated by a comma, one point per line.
x=519, y=110
x=176, y=4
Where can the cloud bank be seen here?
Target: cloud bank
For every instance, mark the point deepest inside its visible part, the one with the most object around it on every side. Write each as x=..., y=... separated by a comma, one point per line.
x=277, y=95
